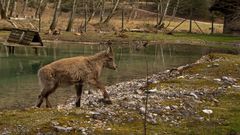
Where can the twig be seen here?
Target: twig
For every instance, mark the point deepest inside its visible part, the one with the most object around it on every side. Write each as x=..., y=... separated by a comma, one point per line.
x=146, y=98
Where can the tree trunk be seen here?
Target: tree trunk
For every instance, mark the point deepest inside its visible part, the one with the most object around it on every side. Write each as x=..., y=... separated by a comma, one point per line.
x=71, y=18
x=158, y=10
x=160, y=23
x=174, y=13
x=7, y=7
x=3, y=3
x=13, y=7
x=94, y=9
x=226, y=24
x=24, y=6
x=87, y=20
x=136, y=12
x=3, y=12
x=134, y=6
x=175, y=8
x=102, y=10
x=85, y=16
x=43, y=7
x=112, y=12
x=38, y=8
x=56, y=15
x=164, y=13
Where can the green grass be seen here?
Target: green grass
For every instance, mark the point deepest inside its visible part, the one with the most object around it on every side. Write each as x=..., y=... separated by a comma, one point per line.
x=187, y=38
x=226, y=114
x=191, y=84
x=210, y=38
x=230, y=111
x=229, y=65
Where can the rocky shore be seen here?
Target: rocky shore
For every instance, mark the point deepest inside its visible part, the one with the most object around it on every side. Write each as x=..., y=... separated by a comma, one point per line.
x=176, y=98
x=131, y=96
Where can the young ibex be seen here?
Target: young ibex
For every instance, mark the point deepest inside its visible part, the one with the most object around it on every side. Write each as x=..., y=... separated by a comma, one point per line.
x=75, y=71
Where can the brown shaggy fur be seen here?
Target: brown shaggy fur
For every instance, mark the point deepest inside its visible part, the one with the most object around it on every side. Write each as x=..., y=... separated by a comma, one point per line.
x=75, y=71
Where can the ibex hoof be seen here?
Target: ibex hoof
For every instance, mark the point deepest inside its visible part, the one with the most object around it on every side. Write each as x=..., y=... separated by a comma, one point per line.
x=34, y=107
x=78, y=104
x=105, y=101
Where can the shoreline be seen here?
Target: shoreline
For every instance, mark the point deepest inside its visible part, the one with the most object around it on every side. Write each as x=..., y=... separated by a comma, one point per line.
x=234, y=44
x=130, y=37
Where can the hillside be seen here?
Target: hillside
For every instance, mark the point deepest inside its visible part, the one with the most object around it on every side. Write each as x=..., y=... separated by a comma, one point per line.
x=141, y=19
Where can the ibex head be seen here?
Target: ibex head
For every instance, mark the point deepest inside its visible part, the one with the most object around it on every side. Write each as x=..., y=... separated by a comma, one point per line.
x=110, y=61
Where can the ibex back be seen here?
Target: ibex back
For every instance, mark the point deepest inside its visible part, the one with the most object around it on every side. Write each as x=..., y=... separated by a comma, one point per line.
x=75, y=71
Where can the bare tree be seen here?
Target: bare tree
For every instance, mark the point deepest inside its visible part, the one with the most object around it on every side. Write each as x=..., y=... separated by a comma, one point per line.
x=102, y=10
x=174, y=13
x=3, y=11
x=13, y=7
x=7, y=7
x=112, y=12
x=38, y=8
x=134, y=6
x=56, y=15
x=160, y=24
x=24, y=6
x=71, y=18
x=94, y=8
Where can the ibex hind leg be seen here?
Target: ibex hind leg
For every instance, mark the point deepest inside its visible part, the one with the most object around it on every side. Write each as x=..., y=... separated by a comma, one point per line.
x=40, y=99
x=44, y=94
x=48, y=105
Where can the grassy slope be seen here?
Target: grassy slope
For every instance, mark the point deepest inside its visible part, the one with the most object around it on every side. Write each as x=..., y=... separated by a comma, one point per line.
x=226, y=116
x=224, y=120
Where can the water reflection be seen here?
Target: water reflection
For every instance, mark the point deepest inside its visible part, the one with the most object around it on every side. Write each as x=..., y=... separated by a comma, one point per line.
x=18, y=73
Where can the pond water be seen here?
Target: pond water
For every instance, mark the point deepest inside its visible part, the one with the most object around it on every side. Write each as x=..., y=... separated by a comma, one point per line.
x=18, y=73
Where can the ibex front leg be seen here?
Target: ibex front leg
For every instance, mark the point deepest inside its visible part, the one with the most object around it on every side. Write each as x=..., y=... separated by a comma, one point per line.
x=78, y=88
x=100, y=86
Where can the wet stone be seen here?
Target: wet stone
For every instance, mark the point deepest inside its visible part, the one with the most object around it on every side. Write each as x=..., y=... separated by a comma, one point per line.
x=228, y=80
x=142, y=110
x=63, y=129
x=194, y=95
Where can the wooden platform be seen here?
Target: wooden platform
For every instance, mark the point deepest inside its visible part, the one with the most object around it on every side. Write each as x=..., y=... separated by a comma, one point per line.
x=17, y=45
x=10, y=48
x=23, y=38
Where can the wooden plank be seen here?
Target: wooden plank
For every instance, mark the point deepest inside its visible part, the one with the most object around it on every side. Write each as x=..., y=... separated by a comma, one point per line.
x=14, y=36
x=17, y=45
x=28, y=38
x=35, y=44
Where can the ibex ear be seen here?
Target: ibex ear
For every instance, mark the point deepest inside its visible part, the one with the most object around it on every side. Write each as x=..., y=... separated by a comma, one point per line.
x=109, y=43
